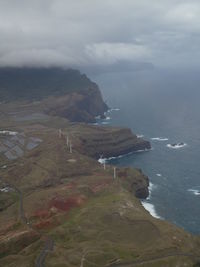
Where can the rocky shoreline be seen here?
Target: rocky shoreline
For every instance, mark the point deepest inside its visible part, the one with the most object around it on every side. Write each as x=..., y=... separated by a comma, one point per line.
x=106, y=142
x=91, y=216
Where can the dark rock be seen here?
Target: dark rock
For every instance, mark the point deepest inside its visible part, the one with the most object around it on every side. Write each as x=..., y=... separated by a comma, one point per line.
x=98, y=141
x=135, y=181
x=82, y=106
x=142, y=192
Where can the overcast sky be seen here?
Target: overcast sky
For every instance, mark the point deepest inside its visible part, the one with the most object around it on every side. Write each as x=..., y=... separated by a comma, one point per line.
x=99, y=32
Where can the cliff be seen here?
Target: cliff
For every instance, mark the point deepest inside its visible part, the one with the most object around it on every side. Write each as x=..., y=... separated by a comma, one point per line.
x=38, y=83
x=62, y=208
x=105, y=142
x=66, y=209
x=134, y=181
x=65, y=93
x=82, y=106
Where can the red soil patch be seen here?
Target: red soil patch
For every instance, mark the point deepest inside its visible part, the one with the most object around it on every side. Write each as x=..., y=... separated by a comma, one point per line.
x=42, y=214
x=43, y=224
x=58, y=204
x=66, y=204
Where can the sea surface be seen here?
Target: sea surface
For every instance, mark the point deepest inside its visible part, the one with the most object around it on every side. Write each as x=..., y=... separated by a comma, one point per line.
x=164, y=107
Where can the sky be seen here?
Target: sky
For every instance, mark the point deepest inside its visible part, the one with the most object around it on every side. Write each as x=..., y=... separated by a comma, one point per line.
x=99, y=33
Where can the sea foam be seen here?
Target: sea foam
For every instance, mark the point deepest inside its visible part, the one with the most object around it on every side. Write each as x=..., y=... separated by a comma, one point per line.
x=195, y=192
x=108, y=118
x=151, y=209
x=103, y=160
x=176, y=146
x=151, y=188
x=161, y=139
x=113, y=109
x=140, y=135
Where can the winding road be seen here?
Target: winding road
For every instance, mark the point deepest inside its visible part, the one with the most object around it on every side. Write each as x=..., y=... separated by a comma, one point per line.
x=49, y=243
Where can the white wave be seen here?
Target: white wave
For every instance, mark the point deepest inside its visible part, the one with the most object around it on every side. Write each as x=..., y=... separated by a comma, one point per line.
x=98, y=117
x=8, y=132
x=143, y=150
x=113, y=109
x=140, y=135
x=105, y=122
x=194, y=191
x=108, y=118
x=151, y=209
x=176, y=146
x=103, y=160
x=151, y=188
x=161, y=139
x=159, y=174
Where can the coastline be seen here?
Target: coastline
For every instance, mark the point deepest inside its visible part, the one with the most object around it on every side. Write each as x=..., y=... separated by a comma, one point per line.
x=79, y=205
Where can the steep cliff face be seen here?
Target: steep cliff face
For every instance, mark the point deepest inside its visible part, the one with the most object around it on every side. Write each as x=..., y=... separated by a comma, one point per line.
x=65, y=93
x=39, y=83
x=134, y=181
x=105, y=142
x=69, y=200
x=82, y=106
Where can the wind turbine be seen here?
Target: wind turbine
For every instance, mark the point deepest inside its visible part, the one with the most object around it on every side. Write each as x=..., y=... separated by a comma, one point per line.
x=104, y=165
x=60, y=133
x=70, y=147
x=67, y=141
x=115, y=173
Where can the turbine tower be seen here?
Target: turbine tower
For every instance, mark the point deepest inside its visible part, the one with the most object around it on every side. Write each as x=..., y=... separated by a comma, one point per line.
x=70, y=147
x=115, y=173
x=67, y=140
x=60, y=133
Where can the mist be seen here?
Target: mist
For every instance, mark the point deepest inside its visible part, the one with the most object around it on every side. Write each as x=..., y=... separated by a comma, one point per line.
x=100, y=35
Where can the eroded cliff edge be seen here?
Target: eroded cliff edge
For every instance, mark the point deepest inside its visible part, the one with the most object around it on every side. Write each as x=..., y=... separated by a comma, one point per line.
x=70, y=199
x=105, y=142
x=93, y=218
x=58, y=92
x=80, y=106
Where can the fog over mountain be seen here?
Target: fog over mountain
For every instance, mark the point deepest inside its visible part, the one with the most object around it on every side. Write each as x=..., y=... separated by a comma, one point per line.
x=93, y=33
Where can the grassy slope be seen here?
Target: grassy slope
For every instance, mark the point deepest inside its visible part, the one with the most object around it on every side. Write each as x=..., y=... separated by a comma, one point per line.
x=93, y=219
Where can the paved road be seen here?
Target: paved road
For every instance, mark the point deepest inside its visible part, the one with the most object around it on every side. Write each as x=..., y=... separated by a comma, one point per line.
x=49, y=243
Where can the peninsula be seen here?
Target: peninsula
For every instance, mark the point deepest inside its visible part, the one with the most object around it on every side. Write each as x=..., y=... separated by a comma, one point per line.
x=58, y=205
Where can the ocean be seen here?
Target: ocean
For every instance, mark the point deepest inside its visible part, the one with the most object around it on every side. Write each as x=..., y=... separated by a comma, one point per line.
x=164, y=107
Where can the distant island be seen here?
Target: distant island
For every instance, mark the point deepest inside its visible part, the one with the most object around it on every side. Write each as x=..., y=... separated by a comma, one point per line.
x=58, y=205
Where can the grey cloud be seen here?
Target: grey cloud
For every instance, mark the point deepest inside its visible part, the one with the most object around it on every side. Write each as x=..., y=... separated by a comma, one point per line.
x=97, y=33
